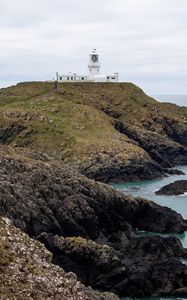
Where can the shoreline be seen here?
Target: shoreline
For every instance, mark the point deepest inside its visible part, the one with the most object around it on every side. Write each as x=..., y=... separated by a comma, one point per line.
x=90, y=228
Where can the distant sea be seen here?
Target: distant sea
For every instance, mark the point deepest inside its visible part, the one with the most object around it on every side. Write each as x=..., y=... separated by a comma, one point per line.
x=177, y=99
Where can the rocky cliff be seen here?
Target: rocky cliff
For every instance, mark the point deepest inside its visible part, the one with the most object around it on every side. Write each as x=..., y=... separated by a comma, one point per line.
x=26, y=271
x=48, y=196
x=108, y=132
x=50, y=137
x=90, y=228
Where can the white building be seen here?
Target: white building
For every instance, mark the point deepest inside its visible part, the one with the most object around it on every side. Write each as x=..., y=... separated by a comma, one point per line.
x=93, y=72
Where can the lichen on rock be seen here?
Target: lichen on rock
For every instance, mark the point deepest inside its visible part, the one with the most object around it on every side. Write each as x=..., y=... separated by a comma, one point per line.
x=26, y=271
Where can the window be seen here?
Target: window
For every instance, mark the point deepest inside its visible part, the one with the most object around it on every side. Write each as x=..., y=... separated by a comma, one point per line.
x=60, y=78
x=71, y=78
x=82, y=78
x=67, y=78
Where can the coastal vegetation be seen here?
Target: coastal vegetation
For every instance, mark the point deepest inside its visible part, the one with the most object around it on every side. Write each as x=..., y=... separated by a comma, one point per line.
x=55, y=218
x=109, y=132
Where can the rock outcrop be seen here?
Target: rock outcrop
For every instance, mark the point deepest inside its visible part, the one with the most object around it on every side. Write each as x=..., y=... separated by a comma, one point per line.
x=146, y=266
x=26, y=271
x=111, y=165
x=90, y=227
x=176, y=188
x=109, y=132
x=163, y=150
x=51, y=197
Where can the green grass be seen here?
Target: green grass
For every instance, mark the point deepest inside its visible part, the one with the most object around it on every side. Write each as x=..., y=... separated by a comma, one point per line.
x=77, y=119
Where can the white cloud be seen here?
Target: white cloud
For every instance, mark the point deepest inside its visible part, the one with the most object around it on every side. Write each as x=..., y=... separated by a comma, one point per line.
x=145, y=40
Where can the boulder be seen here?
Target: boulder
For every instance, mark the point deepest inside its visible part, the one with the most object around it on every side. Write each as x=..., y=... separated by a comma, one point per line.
x=176, y=188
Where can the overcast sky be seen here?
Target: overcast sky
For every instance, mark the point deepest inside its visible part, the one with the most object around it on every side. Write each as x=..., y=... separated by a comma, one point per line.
x=144, y=40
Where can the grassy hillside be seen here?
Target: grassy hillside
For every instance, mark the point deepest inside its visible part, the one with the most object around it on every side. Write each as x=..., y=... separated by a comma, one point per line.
x=77, y=121
x=54, y=122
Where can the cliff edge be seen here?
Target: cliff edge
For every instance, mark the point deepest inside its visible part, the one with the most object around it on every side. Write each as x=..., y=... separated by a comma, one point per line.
x=108, y=132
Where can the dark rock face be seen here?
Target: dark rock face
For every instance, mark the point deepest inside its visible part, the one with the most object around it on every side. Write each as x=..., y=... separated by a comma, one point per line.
x=175, y=172
x=90, y=228
x=145, y=266
x=178, y=187
x=160, y=147
x=114, y=170
x=9, y=132
x=175, y=130
x=27, y=273
x=49, y=197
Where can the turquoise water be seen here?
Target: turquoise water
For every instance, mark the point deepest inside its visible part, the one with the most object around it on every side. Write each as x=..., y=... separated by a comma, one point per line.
x=147, y=190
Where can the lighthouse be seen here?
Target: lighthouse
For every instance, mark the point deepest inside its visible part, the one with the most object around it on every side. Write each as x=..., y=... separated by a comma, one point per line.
x=93, y=72
x=93, y=65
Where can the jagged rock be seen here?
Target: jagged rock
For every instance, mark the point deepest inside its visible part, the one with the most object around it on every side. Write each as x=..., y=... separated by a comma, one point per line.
x=113, y=166
x=181, y=292
x=146, y=266
x=26, y=271
x=178, y=187
x=8, y=133
x=51, y=197
x=175, y=172
x=162, y=149
x=57, y=205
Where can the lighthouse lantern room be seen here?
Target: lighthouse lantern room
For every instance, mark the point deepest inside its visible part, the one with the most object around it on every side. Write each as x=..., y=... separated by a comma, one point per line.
x=93, y=65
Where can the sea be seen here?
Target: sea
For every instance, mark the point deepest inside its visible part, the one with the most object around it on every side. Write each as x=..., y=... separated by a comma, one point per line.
x=147, y=190
x=180, y=100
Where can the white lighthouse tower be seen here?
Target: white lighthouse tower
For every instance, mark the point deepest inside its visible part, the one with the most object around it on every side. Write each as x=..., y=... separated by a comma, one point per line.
x=93, y=72
x=93, y=65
